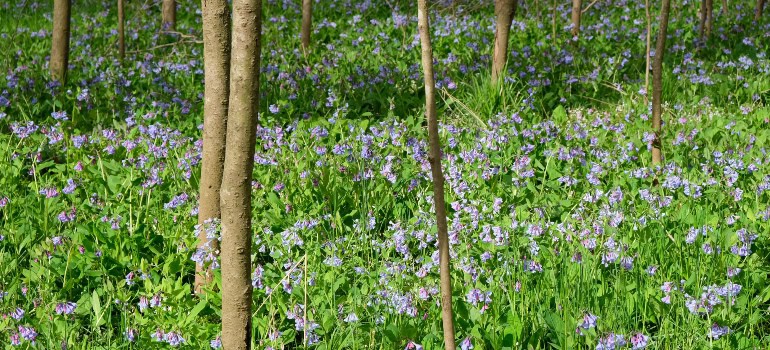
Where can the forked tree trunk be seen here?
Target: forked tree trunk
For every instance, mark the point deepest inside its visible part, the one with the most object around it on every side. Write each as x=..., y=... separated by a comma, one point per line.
x=60, y=43
x=657, y=80
x=121, y=30
x=758, y=10
x=237, y=176
x=577, y=11
x=307, y=21
x=169, y=15
x=438, y=177
x=504, y=11
x=216, y=58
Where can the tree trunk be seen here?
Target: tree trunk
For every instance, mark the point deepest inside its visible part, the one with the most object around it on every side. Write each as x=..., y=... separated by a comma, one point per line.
x=169, y=15
x=657, y=80
x=438, y=177
x=307, y=20
x=724, y=7
x=553, y=19
x=504, y=11
x=577, y=11
x=60, y=43
x=238, y=169
x=647, y=53
x=709, y=17
x=703, y=18
x=758, y=10
x=216, y=58
x=121, y=30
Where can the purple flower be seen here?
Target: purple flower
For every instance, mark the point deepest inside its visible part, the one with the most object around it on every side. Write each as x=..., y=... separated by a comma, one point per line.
x=351, y=318
x=158, y=335
x=717, y=331
x=66, y=308
x=71, y=186
x=466, y=344
x=216, y=343
x=131, y=334
x=143, y=303
x=28, y=333
x=60, y=115
x=15, y=339
x=639, y=341
x=176, y=202
x=18, y=314
x=49, y=192
x=611, y=342
x=589, y=321
x=156, y=301
x=413, y=346
x=173, y=339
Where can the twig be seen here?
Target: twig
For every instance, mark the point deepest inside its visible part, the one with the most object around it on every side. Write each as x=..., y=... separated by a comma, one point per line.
x=183, y=35
x=288, y=273
x=467, y=109
x=588, y=7
x=167, y=45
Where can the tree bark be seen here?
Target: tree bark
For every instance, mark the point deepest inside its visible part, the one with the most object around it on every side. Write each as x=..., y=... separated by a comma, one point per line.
x=504, y=11
x=657, y=80
x=724, y=7
x=577, y=11
x=709, y=17
x=438, y=177
x=647, y=53
x=554, y=13
x=307, y=20
x=169, y=15
x=121, y=30
x=703, y=18
x=216, y=58
x=758, y=10
x=60, y=43
x=238, y=170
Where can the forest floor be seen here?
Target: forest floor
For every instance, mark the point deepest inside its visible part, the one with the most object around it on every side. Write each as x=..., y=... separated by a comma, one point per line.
x=559, y=237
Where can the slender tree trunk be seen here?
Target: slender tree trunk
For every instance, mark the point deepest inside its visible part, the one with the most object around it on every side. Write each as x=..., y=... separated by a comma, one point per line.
x=60, y=43
x=307, y=21
x=703, y=19
x=504, y=11
x=758, y=10
x=709, y=17
x=554, y=11
x=657, y=80
x=238, y=168
x=438, y=177
x=724, y=7
x=577, y=11
x=169, y=15
x=647, y=53
x=216, y=58
x=121, y=30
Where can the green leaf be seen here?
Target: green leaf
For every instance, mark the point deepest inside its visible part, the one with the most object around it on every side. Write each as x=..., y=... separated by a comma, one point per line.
x=196, y=310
